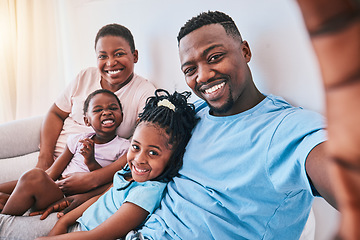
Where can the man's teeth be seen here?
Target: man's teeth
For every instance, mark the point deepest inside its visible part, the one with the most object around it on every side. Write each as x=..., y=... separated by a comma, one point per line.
x=113, y=72
x=214, y=88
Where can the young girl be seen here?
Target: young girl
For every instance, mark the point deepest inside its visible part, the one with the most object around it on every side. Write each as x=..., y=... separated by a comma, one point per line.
x=83, y=153
x=154, y=158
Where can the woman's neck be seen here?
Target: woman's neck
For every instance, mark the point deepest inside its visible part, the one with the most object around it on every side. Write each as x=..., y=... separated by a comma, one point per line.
x=115, y=87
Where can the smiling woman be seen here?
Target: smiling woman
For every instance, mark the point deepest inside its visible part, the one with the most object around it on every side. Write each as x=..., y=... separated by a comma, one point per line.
x=28, y=33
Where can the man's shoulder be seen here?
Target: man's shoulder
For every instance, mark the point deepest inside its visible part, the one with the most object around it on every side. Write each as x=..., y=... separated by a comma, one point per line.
x=199, y=105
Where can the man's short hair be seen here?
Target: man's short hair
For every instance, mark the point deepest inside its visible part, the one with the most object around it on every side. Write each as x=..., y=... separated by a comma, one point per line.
x=210, y=17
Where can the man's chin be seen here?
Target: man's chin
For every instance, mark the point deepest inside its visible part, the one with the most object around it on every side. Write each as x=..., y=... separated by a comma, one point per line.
x=221, y=110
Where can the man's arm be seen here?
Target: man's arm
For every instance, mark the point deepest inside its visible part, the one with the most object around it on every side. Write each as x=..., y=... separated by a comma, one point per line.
x=49, y=134
x=334, y=30
x=317, y=168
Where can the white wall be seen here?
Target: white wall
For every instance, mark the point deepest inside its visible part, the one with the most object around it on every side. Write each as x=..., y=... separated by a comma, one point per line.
x=283, y=61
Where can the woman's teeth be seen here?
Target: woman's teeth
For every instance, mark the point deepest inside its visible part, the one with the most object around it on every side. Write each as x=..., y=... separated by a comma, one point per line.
x=113, y=72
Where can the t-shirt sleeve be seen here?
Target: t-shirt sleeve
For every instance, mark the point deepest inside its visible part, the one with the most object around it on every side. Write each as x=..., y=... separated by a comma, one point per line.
x=147, y=196
x=123, y=147
x=297, y=134
x=64, y=101
x=148, y=90
x=72, y=142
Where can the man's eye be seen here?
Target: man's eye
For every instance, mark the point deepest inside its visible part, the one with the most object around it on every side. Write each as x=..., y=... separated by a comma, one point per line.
x=119, y=54
x=215, y=57
x=189, y=71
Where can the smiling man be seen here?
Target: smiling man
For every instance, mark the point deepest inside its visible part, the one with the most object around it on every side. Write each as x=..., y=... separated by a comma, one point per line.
x=254, y=162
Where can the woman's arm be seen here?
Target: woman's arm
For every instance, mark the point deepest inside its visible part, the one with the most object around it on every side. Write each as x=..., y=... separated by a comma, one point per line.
x=83, y=182
x=60, y=164
x=128, y=217
x=49, y=134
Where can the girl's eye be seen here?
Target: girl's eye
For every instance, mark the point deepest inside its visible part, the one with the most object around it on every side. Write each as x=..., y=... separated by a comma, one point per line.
x=135, y=147
x=114, y=108
x=97, y=110
x=154, y=153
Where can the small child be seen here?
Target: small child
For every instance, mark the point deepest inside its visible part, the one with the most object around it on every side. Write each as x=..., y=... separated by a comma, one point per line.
x=154, y=158
x=36, y=188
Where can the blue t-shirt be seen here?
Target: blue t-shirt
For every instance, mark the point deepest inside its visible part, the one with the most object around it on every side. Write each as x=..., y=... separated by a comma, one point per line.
x=243, y=176
x=146, y=195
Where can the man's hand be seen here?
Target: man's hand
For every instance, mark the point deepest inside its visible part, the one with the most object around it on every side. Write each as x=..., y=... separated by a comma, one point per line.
x=62, y=206
x=75, y=183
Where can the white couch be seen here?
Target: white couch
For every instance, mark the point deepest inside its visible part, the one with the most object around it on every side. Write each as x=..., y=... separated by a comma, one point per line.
x=19, y=147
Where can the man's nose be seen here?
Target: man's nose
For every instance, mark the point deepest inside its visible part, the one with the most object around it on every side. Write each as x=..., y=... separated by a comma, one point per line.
x=204, y=73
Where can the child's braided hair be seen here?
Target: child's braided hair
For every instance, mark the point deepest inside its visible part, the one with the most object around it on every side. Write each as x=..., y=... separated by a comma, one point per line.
x=177, y=117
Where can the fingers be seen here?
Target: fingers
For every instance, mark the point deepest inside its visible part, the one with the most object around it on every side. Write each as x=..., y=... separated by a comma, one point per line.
x=57, y=206
x=87, y=146
x=62, y=184
x=72, y=205
x=36, y=213
x=87, y=143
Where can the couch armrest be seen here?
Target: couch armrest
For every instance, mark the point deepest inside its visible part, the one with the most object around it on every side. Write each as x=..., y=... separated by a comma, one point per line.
x=20, y=137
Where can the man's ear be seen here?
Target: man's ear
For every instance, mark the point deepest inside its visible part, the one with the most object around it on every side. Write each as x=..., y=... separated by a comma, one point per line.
x=245, y=49
x=86, y=121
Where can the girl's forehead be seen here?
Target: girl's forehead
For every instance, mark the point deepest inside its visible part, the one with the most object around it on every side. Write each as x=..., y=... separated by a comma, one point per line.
x=151, y=133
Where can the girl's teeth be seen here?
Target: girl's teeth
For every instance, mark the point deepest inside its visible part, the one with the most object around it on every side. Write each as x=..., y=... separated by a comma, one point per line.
x=140, y=170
